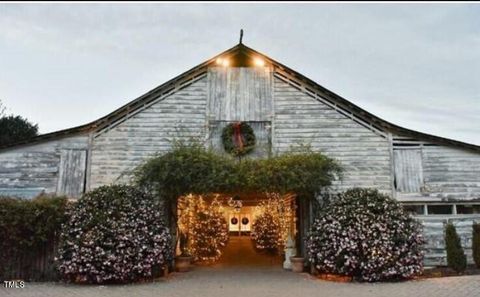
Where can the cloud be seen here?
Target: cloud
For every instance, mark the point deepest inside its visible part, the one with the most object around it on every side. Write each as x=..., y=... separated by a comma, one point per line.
x=416, y=65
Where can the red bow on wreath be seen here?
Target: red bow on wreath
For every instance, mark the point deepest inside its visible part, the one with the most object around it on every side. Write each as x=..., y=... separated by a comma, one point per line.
x=237, y=135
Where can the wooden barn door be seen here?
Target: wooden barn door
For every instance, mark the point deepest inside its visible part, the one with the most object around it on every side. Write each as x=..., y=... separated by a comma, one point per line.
x=408, y=170
x=71, y=179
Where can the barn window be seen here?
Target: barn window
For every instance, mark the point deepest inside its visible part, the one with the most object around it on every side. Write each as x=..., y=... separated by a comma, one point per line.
x=468, y=209
x=414, y=209
x=408, y=169
x=440, y=209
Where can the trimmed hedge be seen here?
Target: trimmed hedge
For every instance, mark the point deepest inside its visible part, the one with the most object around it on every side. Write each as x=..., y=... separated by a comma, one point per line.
x=476, y=244
x=456, y=258
x=114, y=234
x=27, y=229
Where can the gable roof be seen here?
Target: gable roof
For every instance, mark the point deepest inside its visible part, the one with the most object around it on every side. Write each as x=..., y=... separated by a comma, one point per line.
x=240, y=50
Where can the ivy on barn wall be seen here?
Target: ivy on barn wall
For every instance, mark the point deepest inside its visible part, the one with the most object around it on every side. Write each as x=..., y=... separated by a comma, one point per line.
x=192, y=168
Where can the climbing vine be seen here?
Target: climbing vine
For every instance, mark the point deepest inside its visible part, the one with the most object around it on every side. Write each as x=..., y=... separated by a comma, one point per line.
x=192, y=168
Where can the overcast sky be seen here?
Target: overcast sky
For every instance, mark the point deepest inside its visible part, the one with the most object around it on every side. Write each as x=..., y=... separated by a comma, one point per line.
x=415, y=65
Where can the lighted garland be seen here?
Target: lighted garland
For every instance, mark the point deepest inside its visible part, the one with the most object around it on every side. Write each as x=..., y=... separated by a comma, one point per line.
x=238, y=139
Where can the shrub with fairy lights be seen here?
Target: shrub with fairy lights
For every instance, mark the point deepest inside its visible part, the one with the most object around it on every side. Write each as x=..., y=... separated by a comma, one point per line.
x=114, y=234
x=367, y=235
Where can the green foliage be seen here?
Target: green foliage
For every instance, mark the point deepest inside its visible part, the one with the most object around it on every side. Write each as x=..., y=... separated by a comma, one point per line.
x=26, y=227
x=190, y=168
x=456, y=258
x=304, y=173
x=476, y=244
x=16, y=128
x=114, y=234
x=187, y=169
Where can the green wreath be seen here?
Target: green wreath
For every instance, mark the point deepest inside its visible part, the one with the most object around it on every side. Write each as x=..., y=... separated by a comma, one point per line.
x=238, y=138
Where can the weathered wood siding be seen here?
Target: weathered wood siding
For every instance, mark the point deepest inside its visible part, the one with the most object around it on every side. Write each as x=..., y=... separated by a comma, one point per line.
x=434, y=234
x=28, y=170
x=118, y=150
x=240, y=94
x=437, y=173
x=301, y=119
x=451, y=173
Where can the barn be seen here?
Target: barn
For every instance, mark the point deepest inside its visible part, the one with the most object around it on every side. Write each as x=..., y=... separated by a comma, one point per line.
x=435, y=178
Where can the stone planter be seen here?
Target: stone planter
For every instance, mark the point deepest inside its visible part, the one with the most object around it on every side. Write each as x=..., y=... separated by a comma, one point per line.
x=297, y=264
x=183, y=263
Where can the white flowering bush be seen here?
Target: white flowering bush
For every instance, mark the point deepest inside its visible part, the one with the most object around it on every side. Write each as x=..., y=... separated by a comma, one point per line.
x=367, y=235
x=114, y=234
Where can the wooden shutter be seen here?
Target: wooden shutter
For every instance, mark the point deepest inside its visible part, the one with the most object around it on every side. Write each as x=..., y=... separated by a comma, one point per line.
x=408, y=170
x=71, y=179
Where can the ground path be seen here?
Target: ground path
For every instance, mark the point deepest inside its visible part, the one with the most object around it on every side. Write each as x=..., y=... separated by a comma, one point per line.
x=240, y=278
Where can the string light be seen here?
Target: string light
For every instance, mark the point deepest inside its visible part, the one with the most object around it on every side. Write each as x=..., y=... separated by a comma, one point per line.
x=205, y=225
x=275, y=213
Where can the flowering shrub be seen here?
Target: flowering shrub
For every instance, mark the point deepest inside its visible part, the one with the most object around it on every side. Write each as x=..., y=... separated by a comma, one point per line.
x=114, y=234
x=367, y=235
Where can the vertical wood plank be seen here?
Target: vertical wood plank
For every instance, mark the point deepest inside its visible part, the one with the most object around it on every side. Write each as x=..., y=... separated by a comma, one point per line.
x=247, y=95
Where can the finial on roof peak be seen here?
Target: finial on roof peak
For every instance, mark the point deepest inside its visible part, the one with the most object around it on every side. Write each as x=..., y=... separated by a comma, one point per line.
x=241, y=35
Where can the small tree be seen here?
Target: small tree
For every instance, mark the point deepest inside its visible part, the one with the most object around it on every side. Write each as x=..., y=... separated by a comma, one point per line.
x=456, y=258
x=210, y=235
x=15, y=128
x=476, y=243
x=203, y=228
x=266, y=232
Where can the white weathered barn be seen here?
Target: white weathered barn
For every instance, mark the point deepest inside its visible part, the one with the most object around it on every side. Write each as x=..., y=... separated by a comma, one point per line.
x=436, y=178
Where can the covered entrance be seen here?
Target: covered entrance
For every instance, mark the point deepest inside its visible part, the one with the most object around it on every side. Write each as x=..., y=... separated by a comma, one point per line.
x=254, y=230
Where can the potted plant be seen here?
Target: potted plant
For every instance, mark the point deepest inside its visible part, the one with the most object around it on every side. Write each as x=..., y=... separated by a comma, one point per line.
x=184, y=260
x=297, y=263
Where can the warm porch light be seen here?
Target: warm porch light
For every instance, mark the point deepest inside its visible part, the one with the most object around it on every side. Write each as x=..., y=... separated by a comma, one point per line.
x=222, y=62
x=259, y=62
